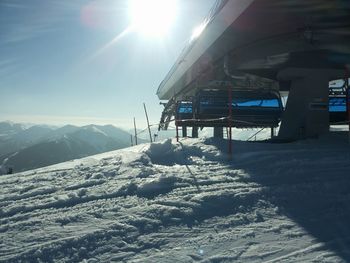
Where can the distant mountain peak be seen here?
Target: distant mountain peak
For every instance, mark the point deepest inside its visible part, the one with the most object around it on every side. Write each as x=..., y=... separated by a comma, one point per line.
x=42, y=145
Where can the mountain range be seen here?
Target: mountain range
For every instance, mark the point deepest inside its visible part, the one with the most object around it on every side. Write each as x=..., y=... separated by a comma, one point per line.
x=25, y=148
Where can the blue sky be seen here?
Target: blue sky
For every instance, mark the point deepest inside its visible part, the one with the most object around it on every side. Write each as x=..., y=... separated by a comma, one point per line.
x=54, y=68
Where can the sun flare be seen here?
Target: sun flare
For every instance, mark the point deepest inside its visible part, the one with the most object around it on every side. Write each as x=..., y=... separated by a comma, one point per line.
x=152, y=17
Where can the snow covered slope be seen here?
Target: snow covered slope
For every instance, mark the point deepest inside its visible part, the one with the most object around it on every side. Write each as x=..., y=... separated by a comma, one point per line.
x=40, y=145
x=185, y=202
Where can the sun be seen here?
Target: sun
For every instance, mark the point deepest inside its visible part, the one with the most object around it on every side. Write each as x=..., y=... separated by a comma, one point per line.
x=152, y=17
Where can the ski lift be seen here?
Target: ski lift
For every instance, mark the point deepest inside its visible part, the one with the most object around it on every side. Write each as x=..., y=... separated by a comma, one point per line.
x=250, y=108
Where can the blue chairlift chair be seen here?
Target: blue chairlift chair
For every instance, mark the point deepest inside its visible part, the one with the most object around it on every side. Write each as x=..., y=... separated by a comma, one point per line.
x=249, y=108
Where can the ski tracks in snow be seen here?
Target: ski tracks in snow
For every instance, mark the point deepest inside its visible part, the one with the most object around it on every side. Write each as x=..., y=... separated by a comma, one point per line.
x=162, y=202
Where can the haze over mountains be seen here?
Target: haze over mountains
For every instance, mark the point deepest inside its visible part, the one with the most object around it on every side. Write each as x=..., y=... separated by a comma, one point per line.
x=25, y=148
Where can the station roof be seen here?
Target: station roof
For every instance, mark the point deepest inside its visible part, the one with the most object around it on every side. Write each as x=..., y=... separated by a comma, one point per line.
x=261, y=37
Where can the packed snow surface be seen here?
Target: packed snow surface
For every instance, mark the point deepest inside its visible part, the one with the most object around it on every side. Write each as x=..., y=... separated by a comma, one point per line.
x=184, y=202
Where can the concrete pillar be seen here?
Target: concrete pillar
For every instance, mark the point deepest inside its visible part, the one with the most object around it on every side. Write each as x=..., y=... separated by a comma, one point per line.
x=194, y=132
x=272, y=132
x=218, y=132
x=306, y=114
x=184, y=131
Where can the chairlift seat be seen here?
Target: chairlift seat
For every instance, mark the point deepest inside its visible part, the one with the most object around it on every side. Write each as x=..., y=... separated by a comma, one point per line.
x=249, y=109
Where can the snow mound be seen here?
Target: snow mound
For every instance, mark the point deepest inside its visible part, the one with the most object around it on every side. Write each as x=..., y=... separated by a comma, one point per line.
x=184, y=202
x=169, y=153
x=165, y=153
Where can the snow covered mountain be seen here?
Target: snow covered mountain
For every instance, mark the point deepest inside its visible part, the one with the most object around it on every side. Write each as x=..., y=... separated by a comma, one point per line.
x=184, y=202
x=39, y=146
x=14, y=137
x=7, y=129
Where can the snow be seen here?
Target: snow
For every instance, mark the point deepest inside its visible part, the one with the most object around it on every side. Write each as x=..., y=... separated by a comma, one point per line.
x=95, y=129
x=184, y=202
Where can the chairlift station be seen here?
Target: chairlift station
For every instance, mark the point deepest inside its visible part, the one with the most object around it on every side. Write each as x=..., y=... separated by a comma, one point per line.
x=251, y=53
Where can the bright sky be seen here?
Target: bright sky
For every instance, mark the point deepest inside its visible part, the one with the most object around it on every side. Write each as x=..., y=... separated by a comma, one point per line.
x=81, y=61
